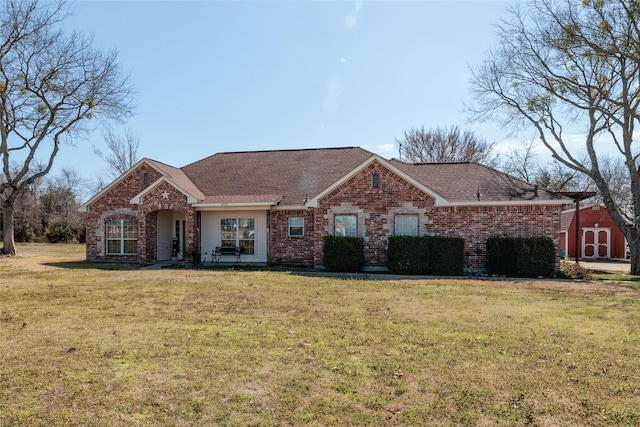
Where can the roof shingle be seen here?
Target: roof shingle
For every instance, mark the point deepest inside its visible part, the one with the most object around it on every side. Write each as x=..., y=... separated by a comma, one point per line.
x=290, y=177
x=292, y=174
x=463, y=181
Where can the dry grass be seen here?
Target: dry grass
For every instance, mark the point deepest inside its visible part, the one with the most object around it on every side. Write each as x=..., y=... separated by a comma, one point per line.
x=104, y=345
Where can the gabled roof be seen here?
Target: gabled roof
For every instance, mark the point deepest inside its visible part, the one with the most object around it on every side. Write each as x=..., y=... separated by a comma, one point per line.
x=190, y=198
x=462, y=182
x=293, y=178
x=375, y=158
x=174, y=176
x=179, y=178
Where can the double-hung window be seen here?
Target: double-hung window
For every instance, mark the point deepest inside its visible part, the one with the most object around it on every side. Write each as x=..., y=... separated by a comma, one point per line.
x=296, y=226
x=122, y=237
x=239, y=232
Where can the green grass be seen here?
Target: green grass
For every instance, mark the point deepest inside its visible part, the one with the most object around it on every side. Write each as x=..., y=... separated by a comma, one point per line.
x=569, y=269
x=632, y=282
x=104, y=345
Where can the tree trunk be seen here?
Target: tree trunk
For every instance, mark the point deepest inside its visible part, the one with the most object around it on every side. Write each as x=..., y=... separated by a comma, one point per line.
x=634, y=248
x=9, y=247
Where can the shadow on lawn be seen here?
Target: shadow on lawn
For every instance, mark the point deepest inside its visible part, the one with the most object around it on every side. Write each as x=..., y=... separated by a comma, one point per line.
x=86, y=265
x=173, y=265
x=632, y=282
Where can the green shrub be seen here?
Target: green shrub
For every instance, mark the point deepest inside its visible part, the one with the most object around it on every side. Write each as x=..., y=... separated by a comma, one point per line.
x=344, y=254
x=521, y=256
x=435, y=255
x=62, y=232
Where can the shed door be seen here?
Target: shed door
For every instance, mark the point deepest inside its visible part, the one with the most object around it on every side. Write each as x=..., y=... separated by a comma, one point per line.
x=596, y=242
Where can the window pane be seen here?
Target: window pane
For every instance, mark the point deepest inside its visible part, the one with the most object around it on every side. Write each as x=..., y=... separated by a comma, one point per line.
x=130, y=246
x=247, y=229
x=345, y=225
x=113, y=246
x=406, y=225
x=247, y=247
x=122, y=237
x=238, y=232
x=130, y=229
x=296, y=226
x=228, y=228
x=113, y=229
x=228, y=243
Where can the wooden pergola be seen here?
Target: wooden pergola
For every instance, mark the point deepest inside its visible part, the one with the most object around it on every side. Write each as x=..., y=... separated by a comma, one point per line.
x=577, y=197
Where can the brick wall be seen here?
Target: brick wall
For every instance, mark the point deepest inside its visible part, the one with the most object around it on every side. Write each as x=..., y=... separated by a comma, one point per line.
x=376, y=209
x=112, y=205
x=164, y=197
x=372, y=207
x=115, y=204
x=476, y=224
x=287, y=249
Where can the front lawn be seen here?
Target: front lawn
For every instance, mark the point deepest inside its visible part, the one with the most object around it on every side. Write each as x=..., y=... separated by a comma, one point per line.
x=104, y=345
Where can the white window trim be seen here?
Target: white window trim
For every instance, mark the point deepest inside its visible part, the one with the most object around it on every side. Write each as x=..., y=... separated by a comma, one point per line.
x=121, y=239
x=289, y=226
x=238, y=239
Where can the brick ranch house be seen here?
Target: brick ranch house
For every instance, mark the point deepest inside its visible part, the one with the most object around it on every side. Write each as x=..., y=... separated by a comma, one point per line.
x=278, y=205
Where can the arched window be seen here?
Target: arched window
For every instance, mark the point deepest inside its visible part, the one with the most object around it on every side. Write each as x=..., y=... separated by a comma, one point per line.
x=122, y=237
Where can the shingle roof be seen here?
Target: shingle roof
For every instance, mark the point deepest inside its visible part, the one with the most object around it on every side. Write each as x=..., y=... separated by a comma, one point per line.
x=178, y=176
x=292, y=175
x=566, y=218
x=460, y=182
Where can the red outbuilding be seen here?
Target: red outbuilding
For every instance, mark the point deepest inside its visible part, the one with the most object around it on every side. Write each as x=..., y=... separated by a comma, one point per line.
x=598, y=236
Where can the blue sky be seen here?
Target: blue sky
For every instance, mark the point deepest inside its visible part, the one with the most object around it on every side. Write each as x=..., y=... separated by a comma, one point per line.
x=214, y=76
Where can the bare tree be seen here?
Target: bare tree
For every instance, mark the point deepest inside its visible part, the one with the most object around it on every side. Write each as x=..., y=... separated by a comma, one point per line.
x=27, y=214
x=51, y=85
x=59, y=207
x=575, y=65
x=445, y=145
x=522, y=162
x=120, y=156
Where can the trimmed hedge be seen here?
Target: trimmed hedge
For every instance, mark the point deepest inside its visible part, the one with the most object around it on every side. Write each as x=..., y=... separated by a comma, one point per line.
x=521, y=256
x=343, y=254
x=433, y=255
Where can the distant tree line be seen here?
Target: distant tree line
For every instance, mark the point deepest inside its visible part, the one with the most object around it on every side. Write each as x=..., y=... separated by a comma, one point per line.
x=47, y=211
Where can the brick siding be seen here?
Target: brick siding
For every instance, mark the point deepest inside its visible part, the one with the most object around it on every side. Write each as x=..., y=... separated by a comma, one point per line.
x=287, y=249
x=115, y=204
x=375, y=210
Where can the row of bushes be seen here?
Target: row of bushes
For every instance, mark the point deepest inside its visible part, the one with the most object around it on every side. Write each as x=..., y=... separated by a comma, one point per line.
x=434, y=255
x=521, y=256
x=444, y=256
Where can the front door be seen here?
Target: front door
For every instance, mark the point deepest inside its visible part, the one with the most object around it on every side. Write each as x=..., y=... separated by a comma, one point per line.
x=178, y=240
x=595, y=242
